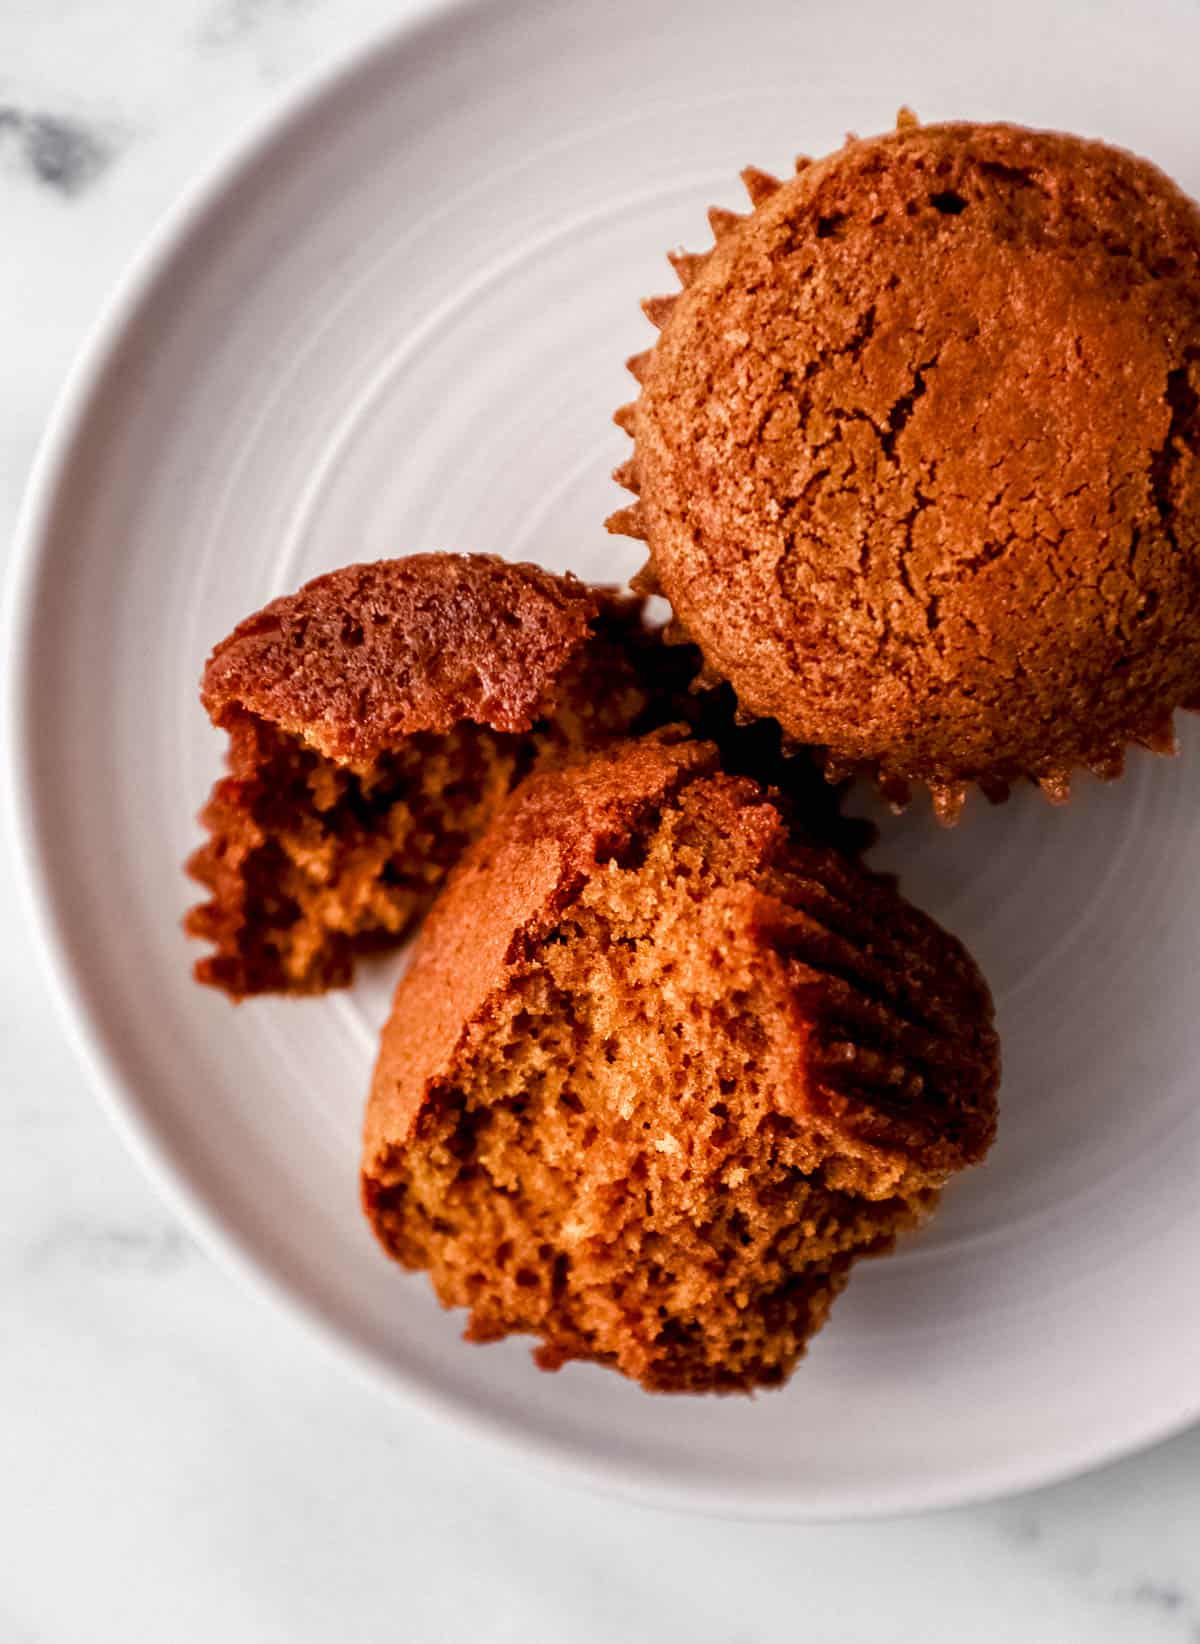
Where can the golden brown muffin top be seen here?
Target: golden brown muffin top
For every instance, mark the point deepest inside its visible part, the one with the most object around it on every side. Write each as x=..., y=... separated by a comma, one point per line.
x=367, y=655
x=916, y=454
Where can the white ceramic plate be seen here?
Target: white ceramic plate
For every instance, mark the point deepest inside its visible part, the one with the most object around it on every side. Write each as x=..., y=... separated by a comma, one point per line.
x=397, y=321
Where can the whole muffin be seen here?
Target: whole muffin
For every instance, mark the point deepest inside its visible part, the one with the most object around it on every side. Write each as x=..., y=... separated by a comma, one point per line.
x=660, y=1070
x=376, y=720
x=916, y=455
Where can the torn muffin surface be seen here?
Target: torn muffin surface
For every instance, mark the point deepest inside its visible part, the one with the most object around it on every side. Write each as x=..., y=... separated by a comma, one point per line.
x=661, y=1070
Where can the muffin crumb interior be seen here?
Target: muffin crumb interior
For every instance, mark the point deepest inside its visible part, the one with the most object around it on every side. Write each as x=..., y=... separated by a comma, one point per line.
x=611, y=1168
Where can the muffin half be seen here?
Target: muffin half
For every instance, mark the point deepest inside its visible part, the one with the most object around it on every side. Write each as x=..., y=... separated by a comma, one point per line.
x=376, y=720
x=661, y=1070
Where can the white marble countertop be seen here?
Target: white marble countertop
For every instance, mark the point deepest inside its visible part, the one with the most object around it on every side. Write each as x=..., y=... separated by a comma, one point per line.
x=177, y=1462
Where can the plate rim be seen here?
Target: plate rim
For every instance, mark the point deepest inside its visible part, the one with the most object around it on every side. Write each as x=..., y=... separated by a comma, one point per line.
x=47, y=483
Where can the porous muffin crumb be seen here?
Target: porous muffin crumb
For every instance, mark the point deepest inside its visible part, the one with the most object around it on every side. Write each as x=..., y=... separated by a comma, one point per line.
x=661, y=1070
x=917, y=456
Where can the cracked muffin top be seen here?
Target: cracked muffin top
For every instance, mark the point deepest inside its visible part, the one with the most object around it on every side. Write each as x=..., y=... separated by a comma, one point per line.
x=916, y=456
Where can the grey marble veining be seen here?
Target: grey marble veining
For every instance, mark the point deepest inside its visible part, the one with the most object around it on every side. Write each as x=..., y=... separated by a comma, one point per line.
x=179, y=1462
x=81, y=1245
x=229, y=21
x=64, y=153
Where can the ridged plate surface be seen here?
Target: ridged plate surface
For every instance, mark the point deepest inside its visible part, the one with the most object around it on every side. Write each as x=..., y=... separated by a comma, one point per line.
x=396, y=322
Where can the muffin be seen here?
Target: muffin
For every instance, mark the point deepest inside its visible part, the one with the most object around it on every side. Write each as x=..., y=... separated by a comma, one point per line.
x=916, y=457
x=376, y=720
x=661, y=1070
